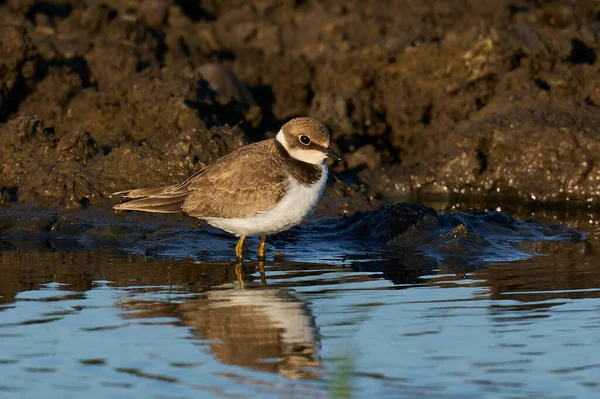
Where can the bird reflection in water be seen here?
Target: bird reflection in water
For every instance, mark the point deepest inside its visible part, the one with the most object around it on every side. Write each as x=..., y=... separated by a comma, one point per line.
x=239, y=273
x=260, y=327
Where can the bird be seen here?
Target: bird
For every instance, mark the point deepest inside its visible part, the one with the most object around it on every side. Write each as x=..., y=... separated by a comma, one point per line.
x=259, y=189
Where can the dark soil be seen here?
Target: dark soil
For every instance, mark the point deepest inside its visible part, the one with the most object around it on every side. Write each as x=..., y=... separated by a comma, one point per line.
x=462, y=98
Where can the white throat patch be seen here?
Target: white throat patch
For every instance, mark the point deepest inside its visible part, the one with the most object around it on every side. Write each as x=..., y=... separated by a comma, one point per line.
x=309, y=156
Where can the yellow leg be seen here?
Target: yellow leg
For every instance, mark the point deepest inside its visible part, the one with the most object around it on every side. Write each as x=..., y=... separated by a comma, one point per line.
x=261, y=247
x=239, y=248
x=239, y=274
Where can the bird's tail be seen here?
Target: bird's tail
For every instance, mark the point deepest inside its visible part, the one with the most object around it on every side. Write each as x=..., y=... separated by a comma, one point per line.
x=159, y=200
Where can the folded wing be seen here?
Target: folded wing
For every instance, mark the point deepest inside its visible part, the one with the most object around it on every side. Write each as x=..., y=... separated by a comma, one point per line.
x=247, y=181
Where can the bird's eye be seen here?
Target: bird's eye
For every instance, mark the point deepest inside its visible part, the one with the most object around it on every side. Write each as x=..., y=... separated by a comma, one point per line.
x=305, y=140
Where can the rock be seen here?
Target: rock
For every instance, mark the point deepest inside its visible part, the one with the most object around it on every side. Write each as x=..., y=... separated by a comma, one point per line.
x=366, y=155
x=393, y=225
x=22, y=6
x=333, y=110
x=342, y=199
x=536, y=148
x=17, y=66
x=50, y=99
x=226, y=83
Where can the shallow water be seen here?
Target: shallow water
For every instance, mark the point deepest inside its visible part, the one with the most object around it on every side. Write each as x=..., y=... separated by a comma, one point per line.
x=512, y=311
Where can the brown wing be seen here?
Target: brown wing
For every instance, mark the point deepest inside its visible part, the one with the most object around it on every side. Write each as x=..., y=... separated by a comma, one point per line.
x=158, y=200
x=233, y=186
x=247, y=181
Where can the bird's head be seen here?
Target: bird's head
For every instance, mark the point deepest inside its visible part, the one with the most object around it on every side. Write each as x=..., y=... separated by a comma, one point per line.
x=307, y=140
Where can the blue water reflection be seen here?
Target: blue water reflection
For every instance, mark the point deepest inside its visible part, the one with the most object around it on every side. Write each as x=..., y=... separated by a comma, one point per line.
x=402, y=326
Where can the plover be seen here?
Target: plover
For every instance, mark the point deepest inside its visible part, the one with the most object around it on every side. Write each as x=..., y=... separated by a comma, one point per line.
x=259, y=189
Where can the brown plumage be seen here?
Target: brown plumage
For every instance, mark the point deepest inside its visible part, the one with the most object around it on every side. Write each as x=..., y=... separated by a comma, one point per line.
x=318, y=133
x=229, y=188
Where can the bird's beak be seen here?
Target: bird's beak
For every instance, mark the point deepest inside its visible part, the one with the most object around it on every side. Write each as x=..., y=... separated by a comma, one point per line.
x=331, y=154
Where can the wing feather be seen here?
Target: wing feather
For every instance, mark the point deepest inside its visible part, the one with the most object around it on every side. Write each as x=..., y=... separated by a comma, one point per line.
x=247, y=181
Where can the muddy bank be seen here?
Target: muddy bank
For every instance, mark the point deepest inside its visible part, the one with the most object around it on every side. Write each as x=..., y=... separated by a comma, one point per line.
x=23, y=228
x=424, y=98
x=402, y=232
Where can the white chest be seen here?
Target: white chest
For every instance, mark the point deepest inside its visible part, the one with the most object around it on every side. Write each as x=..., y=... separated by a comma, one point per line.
x=292, y=209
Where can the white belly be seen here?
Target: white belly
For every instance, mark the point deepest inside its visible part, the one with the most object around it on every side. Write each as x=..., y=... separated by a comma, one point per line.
x=292, y=209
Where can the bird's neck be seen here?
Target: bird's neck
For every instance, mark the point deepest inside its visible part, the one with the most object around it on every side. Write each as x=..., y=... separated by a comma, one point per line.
x=305, y=173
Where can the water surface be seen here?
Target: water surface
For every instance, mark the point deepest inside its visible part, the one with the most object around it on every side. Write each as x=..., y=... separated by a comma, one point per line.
x=501, y=315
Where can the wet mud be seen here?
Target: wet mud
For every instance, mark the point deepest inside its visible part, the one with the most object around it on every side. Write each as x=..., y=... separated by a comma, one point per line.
x=460, y=99
x=402, y=233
